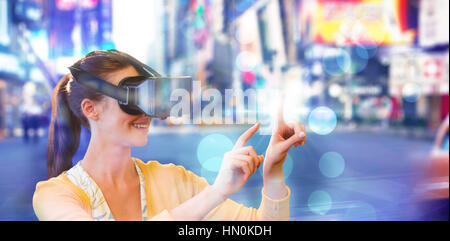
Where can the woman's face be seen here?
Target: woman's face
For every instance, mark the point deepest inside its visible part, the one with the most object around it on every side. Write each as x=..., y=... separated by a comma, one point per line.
x=116, y=125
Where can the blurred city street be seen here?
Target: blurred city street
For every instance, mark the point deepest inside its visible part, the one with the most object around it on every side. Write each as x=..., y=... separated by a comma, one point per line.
x=368, y=78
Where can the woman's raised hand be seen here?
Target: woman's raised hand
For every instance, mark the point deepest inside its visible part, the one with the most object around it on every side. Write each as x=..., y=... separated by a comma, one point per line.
x=238, y=165
x=284, y=136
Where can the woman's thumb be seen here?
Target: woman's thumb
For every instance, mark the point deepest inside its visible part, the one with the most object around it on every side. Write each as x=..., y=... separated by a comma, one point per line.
x=296, y=138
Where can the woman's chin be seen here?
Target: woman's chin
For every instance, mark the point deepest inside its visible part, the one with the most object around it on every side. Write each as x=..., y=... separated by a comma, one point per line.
x=142, y=141
x=139, y=136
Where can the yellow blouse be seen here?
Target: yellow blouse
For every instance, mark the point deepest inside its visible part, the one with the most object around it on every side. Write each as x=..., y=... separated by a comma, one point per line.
x=166, y=187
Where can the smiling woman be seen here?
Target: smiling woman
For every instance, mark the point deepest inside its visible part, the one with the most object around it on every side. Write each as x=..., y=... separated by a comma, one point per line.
x=109, y=184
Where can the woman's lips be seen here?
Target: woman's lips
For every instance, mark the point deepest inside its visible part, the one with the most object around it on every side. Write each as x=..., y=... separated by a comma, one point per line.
x=142, y=123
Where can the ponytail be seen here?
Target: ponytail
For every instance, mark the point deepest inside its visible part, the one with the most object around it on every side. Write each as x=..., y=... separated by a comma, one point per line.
x=64, y=131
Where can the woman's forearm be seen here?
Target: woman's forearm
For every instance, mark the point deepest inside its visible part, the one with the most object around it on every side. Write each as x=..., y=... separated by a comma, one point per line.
x=199, y=206
x=274, y=184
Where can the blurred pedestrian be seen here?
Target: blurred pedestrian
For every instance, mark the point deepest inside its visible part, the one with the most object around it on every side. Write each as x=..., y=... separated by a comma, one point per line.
x=31, y=115
x=434, y=189
x=2, y=113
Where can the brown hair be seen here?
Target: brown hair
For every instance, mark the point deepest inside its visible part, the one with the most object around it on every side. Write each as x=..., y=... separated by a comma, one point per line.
x=67, y=116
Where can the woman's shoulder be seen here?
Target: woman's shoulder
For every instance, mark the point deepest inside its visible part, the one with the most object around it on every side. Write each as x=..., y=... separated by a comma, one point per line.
x=58, y=182
x=58, y=186
x=58, y=199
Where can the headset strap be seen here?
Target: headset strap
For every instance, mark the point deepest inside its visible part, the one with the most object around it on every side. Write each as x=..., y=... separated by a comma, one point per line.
x=119, y=93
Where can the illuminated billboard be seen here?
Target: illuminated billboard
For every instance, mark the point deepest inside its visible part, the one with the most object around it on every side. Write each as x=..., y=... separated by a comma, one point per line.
x=356, y=22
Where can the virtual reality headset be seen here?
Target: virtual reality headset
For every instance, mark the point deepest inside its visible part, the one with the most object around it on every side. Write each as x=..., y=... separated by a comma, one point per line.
x=147, y=93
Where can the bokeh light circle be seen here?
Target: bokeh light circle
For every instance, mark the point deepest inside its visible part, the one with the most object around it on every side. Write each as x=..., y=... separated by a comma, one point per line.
x=358, y=64
x=322, y=120
x=344, y=61
x=319, y=202
x=335, y=90
x=360, y=211
x=246, y=61
x=211, y=149
x=338, y=63
x=288, y=165
x=210, y=176
x=366, y=51
x=331, y=164
x=411, y=92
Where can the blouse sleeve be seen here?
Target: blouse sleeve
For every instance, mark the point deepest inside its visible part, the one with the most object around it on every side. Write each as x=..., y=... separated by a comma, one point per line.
x=229, y=210
x=55, y=202
x=163, y=216
x=269, y=209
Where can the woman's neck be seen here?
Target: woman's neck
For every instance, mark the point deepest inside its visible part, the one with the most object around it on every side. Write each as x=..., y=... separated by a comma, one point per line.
x=108, y=162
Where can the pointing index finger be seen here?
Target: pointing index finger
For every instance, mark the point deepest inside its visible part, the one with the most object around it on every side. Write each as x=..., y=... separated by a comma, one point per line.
x=279, y=120
x=247, y=134
x=280, y=111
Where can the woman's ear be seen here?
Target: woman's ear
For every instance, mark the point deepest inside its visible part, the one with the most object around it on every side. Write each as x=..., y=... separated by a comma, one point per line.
x=89, y=109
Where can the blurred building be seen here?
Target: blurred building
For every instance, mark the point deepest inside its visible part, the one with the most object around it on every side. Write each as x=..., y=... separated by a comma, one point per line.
x=419, y=75
x=390, y=56
x=76, y=28
x=16, y=62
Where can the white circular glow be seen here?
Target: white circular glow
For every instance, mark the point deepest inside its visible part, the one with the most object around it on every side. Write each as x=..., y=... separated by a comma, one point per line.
x=335, y=90
x=317, y=68
x=246, y=61
x=322, y=120
x=411, y=92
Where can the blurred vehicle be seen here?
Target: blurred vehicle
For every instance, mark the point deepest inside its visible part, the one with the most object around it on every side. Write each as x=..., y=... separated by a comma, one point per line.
x=439, y=168
x=434, y=188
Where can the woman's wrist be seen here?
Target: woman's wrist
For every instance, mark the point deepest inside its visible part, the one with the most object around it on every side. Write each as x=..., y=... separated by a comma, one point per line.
x=275, y=189
x=274, y=183
x=273, y=171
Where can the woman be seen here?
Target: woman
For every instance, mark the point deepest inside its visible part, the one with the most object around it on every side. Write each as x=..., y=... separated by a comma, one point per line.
x=108, y=184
